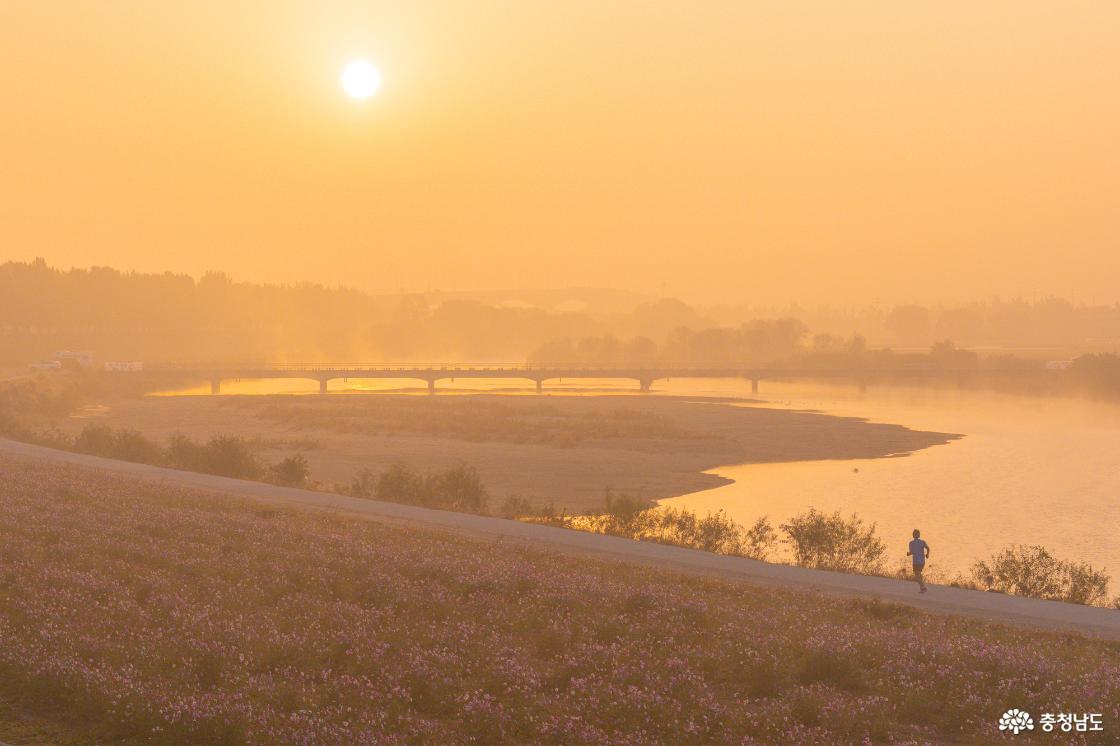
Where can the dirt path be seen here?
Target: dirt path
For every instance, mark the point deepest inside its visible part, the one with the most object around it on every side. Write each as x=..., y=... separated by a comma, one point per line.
x=1009, y=609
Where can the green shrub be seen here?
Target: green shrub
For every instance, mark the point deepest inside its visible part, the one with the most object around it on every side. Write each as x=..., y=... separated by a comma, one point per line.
x=458, y=488
x=224, y=455
x=831, y=542
x=96, y=440
x=292, y=471
x=515, y=507
x=624, y=511
x=400, y=484
x=760, y=540
x=1032, y=571
x=124, y=444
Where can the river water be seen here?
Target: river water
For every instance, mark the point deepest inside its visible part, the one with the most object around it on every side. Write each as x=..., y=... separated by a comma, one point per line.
x=1027, y=471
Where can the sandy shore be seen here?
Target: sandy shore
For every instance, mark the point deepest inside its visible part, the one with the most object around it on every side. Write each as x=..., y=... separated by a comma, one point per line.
x=560, y=450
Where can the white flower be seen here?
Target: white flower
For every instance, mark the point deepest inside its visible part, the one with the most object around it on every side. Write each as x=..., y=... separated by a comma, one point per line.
x=1016, y=720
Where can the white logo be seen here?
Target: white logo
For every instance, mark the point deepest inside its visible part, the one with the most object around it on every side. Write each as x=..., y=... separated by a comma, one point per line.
x=1016, y=720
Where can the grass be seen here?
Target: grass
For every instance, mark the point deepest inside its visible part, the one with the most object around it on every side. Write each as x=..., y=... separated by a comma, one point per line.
x=136, y=613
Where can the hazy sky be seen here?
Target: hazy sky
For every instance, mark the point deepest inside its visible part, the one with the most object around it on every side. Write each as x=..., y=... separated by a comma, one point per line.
x=826, y=151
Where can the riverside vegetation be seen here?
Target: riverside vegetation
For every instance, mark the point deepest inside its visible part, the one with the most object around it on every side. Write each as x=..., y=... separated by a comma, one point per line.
x=812, y=539
x=137, y=613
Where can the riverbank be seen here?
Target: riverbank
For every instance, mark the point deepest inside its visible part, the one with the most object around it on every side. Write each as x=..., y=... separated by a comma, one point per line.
x=564, y=451
x=989, y=606
x=182, y=616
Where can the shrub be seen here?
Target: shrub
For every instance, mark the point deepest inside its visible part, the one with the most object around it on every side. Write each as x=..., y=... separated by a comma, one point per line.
x=124, y=444
x=96, y=440
x=1032, y=571
x=224, y=455
x=290, y=472
x=131, y=445
x=831, y=542
x=515, y=507
x=400, y=484
x=760, y=540
x=714, y=532
x=364, y=484
x=623, y=512
x=458, y=488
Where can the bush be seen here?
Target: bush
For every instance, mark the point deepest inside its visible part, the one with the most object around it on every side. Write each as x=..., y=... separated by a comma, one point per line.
x=224, y=455
x=364, y=484
x=132, y=446
x=830, y=542
x=516, y=507
x=96, y=440
x=400, y=484
x=290, y=472
x=124, y=444
x=457, y=488
x=623, y=512
x=760, y=540
x=1032, y=571
x=714, y=532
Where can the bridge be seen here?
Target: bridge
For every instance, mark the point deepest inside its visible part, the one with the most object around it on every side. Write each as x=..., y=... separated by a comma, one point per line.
x=539, y=374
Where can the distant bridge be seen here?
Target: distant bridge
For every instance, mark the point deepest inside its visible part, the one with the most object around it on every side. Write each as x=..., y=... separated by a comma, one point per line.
x=539, y=374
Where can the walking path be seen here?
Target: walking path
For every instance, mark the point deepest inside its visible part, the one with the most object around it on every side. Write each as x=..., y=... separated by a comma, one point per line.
x=1029, y=612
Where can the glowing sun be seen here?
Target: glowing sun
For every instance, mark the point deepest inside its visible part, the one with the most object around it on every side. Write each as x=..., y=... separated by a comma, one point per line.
x=360, y=79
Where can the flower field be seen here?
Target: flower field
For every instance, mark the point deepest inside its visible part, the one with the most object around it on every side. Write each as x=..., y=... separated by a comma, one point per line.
x=137, y=613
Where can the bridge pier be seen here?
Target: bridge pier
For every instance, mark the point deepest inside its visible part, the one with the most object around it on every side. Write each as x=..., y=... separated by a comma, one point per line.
x=322, y=385
x=215, y=386
x=540, y=386
x=431, y=385
x=644, y=384
x=754, y=385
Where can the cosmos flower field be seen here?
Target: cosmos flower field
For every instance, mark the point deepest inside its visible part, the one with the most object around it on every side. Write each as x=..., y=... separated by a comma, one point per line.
x=139, y=613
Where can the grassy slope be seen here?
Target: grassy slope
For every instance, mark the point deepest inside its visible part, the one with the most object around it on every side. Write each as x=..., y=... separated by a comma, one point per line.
x=144, y=614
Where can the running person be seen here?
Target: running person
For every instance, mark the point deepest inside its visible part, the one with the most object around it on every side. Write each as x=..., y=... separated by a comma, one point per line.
x=919, y=550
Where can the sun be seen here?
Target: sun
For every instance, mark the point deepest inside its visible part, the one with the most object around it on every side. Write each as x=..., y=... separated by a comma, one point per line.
x=360, y=79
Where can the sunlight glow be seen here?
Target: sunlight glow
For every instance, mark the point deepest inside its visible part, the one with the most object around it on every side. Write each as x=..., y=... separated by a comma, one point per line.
x=360, y=79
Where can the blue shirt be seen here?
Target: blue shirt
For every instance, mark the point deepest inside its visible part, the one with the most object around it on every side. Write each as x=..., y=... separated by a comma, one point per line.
x=917, y=549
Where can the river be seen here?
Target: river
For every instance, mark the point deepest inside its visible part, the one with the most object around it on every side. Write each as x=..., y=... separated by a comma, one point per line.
x=1027, y=471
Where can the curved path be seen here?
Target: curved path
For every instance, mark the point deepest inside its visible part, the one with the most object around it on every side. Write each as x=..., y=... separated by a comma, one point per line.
x=1028, y=612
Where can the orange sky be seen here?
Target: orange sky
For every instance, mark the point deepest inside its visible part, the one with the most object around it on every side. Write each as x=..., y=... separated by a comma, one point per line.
x=841, y=152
